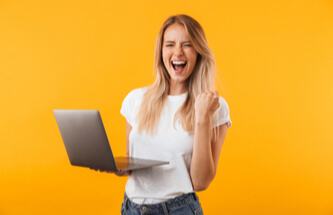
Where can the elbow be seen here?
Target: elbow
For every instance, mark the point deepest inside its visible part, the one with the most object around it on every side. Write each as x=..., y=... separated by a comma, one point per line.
x=202, y=184
x=200, y=187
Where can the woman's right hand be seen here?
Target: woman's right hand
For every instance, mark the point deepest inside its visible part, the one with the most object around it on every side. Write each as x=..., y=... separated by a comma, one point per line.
x=118, y=173
x=123, y=173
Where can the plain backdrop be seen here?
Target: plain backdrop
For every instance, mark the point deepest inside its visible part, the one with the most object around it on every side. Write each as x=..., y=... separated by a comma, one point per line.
x=275, y=69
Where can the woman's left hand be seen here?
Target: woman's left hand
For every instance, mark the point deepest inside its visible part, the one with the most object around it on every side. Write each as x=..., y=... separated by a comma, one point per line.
x=205, y=105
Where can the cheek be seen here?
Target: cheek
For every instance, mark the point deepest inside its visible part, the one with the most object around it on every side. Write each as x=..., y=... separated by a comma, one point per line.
x=193, y=58
x=165, y=57
x=191, y=55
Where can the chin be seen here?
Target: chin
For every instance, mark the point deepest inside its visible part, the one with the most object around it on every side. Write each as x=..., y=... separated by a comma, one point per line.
x=178, y=78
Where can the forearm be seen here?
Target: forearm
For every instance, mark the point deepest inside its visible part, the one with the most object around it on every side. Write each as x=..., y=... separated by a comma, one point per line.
x=202, y=165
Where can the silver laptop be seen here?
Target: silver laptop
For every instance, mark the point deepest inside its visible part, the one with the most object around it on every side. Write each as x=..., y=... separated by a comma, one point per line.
x=87, y=144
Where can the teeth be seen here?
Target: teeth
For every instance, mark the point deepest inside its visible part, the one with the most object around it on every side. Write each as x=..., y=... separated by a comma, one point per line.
x=178, y=62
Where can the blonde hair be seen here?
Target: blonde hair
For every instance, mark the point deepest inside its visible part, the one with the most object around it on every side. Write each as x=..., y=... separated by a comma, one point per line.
x=200, y=80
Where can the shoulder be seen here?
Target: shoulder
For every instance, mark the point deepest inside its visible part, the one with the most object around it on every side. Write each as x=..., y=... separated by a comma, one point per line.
x=222, y=114
x=135, y=94
x=223, y=103
x=131, y=104
x=137, y=91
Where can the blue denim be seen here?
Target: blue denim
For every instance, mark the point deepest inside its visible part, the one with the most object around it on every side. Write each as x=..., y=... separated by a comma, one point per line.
x=185, y=204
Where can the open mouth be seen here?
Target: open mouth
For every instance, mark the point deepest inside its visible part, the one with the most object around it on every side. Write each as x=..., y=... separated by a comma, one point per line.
x=178, y=65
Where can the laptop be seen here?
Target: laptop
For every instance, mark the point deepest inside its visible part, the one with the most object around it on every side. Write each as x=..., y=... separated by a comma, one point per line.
x=87, y=145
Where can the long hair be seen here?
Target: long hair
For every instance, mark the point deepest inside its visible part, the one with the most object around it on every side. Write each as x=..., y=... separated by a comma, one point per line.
x=200, y=80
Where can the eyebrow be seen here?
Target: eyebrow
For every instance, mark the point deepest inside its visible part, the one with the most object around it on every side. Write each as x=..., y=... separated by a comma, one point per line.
x=170, y=41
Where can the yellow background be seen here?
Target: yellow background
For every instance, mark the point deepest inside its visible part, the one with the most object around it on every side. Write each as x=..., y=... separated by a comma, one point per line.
x=275, y=64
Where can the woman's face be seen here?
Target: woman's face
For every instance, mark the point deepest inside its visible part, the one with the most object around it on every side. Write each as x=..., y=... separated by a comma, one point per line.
x=179, y=56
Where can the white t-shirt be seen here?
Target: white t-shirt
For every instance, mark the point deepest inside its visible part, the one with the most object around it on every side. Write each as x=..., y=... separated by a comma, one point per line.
x=170, y=143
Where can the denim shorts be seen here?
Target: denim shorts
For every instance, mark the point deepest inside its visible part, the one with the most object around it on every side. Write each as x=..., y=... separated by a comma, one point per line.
x=185, y=204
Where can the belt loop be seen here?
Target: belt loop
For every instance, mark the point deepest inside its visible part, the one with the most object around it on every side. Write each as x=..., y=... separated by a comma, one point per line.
x=126, y=202
x=165, y=209
x=195, y=196
x=189, y=198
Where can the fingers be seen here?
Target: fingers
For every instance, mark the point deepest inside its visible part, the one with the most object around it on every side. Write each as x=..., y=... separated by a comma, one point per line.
x=213, y=94
x=216, y=105
x=123, y=173
x=206, y=104
x=216, y=93
x=118, y=173
x=209, y=93
x=215, y=100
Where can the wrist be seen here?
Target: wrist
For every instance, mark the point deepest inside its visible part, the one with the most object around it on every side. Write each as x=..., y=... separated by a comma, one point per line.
x=203, y=119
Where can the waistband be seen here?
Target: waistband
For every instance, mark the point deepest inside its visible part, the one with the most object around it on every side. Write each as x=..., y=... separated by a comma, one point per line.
x=171, y=203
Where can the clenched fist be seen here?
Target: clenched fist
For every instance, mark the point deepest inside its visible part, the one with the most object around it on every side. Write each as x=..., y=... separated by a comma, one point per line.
x=205, y=105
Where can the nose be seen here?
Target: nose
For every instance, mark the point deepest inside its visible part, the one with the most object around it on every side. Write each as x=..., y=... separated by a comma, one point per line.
x=179, y=50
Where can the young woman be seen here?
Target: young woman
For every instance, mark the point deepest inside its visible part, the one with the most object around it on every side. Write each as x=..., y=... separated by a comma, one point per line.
x=180, y=119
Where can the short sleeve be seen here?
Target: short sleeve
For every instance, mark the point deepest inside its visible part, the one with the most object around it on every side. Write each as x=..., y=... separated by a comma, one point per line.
x=222, y=114
x=128, y=106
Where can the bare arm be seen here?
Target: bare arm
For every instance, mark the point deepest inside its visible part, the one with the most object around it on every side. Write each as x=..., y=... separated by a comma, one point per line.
x=206, y=149
x=206, y=154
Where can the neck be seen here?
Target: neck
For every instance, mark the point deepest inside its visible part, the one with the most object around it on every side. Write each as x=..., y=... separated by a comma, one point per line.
x=177, y=88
